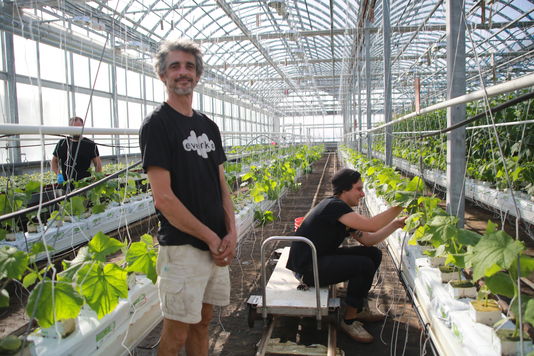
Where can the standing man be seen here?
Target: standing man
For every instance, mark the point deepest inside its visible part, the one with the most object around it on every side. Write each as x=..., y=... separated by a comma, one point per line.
x=183, y=157
x=75, y=154
x=326, y=226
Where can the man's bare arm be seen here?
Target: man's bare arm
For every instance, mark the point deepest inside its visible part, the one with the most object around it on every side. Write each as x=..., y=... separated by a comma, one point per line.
x=97, y=162
x=54, y=164
x=228, y=243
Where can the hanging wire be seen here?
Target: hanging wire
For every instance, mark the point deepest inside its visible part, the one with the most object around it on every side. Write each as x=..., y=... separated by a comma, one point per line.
x=509, y=183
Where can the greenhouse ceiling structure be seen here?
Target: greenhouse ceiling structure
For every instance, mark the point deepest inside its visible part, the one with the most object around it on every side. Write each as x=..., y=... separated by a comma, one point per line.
x=296, y=64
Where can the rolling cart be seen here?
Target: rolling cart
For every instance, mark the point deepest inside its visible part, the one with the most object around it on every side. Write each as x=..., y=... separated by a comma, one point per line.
x=282, y=297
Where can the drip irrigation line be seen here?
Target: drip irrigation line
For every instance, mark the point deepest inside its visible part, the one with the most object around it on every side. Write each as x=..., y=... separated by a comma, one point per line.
x=493, y=110
x=66, y=196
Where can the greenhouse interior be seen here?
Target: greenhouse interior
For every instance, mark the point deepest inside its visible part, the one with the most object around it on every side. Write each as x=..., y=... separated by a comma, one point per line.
x=253, y=133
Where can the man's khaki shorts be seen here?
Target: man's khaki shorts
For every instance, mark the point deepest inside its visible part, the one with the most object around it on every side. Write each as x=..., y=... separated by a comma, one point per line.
x=187, y=277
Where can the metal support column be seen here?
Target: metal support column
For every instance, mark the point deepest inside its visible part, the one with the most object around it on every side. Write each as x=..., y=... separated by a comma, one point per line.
x=455, y=87
x=367, y=40
x=360, y=126
x=71, y=94
x=387, y=81
x=115, y=101
x=13, y=110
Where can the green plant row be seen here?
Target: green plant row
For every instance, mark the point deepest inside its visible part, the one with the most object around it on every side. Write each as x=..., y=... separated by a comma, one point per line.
x=87, y=280
x=267, y=182
x=93, y=202
x=90, y=279
x=235, y=170
x=493, y=257
x=484, y=160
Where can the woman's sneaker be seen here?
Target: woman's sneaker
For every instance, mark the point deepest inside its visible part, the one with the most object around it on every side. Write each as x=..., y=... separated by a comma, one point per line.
x=369, y=316
x=357, y=332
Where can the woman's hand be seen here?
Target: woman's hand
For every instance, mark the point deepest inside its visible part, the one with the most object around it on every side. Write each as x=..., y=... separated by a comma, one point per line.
x=400, y=222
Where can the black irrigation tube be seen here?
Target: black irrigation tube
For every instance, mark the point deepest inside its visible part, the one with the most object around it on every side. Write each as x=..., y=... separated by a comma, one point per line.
x=482, y=114
x=66, y=196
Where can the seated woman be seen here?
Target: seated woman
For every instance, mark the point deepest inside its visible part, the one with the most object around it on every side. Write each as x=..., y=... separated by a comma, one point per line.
x=327, y=225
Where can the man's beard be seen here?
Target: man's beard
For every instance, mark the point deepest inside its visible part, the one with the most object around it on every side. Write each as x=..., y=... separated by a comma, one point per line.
x=183, y=91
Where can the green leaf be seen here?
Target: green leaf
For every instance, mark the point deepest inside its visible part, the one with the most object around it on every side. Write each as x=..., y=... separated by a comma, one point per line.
x=4, y=298
x=39, y=247
x=415, y=185
x=491, y=227
x=466, y=237
x=257, y=194
x=500, y=283
x=75, y=206
x=32, y=186
x=429, y=203
x=495, y=248
x=456, y=259
x=525, y=299
x=10, y=344
x=440, y=251
x=442, y=220
x=247, y=176
x=413, y=240
x=101, y=245
x=529, y=312
x=413, y=221
x=140, y=258
x=102, y=285
x=370, y=171
x=53, y=301
x=403, y=198
x=147, y=239
x=98, y=208
x=526, y=265
x=13, y=262
x=29, y=279
x=70, y=268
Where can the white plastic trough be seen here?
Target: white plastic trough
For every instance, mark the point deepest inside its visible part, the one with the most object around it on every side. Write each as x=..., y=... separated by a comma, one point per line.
x=450, y=326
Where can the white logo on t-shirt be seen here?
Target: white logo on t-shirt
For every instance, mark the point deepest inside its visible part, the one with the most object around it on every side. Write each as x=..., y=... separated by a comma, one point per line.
x=202, y=144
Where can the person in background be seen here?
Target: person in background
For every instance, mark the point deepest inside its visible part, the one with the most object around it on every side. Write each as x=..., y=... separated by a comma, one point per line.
x=74, y=155
x=327, y=225
x=183, y=157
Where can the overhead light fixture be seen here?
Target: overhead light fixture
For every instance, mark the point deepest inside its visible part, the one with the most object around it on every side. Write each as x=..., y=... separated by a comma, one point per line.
x=86, y=21
x=279, y=5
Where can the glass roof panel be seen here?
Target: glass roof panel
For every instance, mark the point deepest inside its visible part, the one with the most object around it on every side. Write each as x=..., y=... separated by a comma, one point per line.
x=314, y=50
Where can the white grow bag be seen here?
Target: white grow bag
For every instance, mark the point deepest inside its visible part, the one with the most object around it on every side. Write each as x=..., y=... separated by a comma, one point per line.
x=114, y=334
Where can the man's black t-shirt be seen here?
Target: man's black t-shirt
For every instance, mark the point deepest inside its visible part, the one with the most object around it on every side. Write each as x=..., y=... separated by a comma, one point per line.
x=190, y=148
x=322, y=227
x=65, y=151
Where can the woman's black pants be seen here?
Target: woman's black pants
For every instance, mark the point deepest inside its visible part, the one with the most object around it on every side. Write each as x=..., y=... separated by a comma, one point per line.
x=357, y=265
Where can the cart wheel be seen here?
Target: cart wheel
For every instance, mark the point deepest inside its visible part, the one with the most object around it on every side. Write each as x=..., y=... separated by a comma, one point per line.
x=252, y=315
